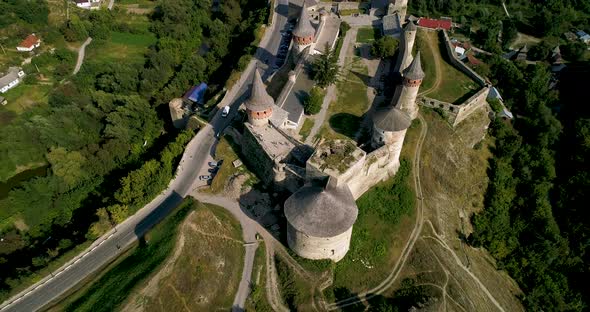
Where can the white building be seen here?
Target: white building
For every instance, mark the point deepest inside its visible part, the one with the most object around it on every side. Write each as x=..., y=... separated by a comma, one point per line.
x=88, y=4
x=11, y=79
x=29, y=44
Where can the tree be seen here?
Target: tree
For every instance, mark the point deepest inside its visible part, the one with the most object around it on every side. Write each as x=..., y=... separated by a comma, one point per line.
x=313, y=102
x=325, y=68
x=573, y=51
x=384, y=47
x=118, y=213
x=540, y=52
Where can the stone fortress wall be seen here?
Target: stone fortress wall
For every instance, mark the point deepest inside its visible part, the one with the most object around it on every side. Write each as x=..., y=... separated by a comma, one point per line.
x=459, y=112
x=316, y=248
x=277, y=158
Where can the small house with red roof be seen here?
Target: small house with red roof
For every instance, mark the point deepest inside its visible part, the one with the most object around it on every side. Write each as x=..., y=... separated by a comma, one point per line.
x=29, y=44
x=435, y=23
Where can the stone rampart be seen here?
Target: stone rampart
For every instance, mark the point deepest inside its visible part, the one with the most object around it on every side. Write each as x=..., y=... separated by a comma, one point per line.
x=310, y=247
x=257, y=158
x=452, y=57
x=458, y=112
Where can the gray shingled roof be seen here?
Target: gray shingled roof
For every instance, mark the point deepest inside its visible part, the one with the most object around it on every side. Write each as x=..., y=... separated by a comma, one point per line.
x=411, y=26
x=11, y=76
x=259, y=100
x=321, y=211
x=414, y=71
x=392, y=119
x=303, y=28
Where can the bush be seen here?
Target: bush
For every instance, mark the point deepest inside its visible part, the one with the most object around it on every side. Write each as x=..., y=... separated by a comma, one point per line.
x=313, y=103
x=384, y=47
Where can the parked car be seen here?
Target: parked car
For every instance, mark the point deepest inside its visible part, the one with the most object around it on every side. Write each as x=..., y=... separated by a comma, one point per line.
x=225, y=111
x=213, y=164
x=213, y=170
x=205, y=177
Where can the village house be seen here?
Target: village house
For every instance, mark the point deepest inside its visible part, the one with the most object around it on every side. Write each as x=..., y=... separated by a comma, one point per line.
x=29, y=44
x=11, y=79
x=88, y=4
x=583, y=36
x=445, y=24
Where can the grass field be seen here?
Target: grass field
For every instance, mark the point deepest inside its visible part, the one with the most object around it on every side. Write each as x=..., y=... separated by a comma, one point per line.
x=345, y=114
x=112, y=287
x=227, y=151
x=306, y=128
x=257, y=299
x=122, y=46
x=377, y=236
x=454, y=86
x=24, y=96
x=367, y=34
x=204, y=271
x=295, y=290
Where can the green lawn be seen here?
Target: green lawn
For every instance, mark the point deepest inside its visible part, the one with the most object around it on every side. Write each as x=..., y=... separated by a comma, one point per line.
x=367, y=34
x=345, y=114
x=112, y=288
x=376, y=236
x=306, y=128
x=25, y=96
x=349, y=12
x=127, y=47
x=455, y=86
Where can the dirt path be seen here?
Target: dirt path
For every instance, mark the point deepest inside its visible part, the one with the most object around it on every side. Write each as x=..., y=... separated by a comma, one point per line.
x=441, y=242
x=437, y=65
x=331, y=90
x=81, y=54
x=392, y=277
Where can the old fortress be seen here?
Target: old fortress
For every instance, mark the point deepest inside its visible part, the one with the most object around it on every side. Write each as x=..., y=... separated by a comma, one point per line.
x=326, y=179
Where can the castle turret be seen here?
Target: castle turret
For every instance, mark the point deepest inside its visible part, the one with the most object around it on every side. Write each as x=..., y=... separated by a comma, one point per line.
x=259, y=105
x=412, y=78
x=320, y=220
x=389, y=127
x=304, y=33
x=409, y=39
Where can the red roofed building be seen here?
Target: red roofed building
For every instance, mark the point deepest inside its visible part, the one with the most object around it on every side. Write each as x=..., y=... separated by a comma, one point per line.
x=30, y=43
x=434, y=23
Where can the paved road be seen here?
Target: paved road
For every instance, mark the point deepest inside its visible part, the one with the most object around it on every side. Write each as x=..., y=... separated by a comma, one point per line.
x=112, y=244
x=81, y=53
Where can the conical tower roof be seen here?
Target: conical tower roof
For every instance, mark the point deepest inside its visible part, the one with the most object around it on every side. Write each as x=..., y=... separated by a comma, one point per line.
x=303, y=29
x=414, y=71
x=259, y=100
x=392, y=119
x=411, y=26
x=321, y=211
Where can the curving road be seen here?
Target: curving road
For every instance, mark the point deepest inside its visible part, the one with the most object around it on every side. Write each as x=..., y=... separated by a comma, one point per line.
x=81, y=53
x=194, y=160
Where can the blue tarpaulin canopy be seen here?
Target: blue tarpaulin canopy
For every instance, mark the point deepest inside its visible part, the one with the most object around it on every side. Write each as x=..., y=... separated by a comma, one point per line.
x=197, y=93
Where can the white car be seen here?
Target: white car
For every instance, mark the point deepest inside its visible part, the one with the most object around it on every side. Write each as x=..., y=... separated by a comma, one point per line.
x=225, y=111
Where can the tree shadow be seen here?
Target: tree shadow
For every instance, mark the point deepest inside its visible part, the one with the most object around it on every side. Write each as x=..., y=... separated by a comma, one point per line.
x=346, y=124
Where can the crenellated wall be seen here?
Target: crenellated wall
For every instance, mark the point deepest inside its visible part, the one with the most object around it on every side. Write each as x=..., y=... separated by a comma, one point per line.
x=458, y=112
x=452, y=57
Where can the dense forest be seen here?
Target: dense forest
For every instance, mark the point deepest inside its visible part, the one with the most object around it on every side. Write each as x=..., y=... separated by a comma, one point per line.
x=534, y=223
x=103, y=132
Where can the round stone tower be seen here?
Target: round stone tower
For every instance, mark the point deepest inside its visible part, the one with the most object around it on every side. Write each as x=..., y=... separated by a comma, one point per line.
x=409, y=39
x=259, y=105
x=389, y=128
x=412, y=78
x=320, y=220
x=304, y=33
